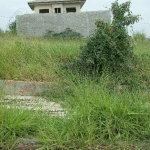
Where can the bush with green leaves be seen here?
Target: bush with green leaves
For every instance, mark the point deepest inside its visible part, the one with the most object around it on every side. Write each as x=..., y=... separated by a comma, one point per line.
x=67, y=33
x=110, y=48
x=12, y=28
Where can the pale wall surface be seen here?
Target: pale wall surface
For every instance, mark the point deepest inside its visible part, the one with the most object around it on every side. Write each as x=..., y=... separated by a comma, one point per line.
x=41, y=24
x=38, y=7
x=77, y=6
x=52, y=7
x=57, y=6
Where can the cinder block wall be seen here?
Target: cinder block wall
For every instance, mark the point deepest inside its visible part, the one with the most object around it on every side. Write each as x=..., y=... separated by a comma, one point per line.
x=40, y=24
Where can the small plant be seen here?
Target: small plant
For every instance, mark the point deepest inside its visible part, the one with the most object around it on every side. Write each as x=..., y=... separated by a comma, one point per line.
x=110, y=47
x=67, y=33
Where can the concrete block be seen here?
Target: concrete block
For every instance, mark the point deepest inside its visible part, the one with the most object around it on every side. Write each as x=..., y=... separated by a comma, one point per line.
x=12, y=87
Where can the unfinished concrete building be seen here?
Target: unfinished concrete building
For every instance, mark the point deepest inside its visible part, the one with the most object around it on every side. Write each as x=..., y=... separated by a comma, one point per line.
x=56, y=6
x=55, y=16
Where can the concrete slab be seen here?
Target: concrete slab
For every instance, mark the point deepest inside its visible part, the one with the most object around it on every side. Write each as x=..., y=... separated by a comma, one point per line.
x=24, y=88
x=34, y=104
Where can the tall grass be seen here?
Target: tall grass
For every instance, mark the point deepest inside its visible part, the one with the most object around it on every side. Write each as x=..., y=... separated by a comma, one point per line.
x=35, y=59
x=139, y=36
x=142, y=53
x=100, y=113
x=96, y=116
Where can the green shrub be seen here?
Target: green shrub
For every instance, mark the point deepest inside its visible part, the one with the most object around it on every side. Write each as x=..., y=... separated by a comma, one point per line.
x=110, y=47
x=12, y=28
x=67, y=33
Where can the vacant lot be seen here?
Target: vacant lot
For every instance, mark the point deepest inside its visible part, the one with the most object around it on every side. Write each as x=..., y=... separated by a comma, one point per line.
x=102, y=114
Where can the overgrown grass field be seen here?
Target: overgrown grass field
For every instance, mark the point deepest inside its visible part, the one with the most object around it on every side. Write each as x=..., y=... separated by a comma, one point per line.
x=35, y=59
x=100, y=115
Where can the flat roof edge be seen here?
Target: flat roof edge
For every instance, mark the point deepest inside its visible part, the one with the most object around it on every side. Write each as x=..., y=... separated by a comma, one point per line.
x=32, y=3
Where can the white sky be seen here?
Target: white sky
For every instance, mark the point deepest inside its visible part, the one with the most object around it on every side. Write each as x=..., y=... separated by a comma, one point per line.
x=10, y=8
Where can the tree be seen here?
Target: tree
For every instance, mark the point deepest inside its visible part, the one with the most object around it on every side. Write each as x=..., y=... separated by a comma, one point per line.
x=110, y=46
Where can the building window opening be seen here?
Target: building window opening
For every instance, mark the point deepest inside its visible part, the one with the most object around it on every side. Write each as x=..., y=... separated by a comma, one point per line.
x=44, y=11
x=57, y=10
x=73, y=9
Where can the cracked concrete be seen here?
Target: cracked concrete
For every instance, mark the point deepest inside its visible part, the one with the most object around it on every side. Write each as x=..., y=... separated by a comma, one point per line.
x=22, y=95
x=34, y=104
